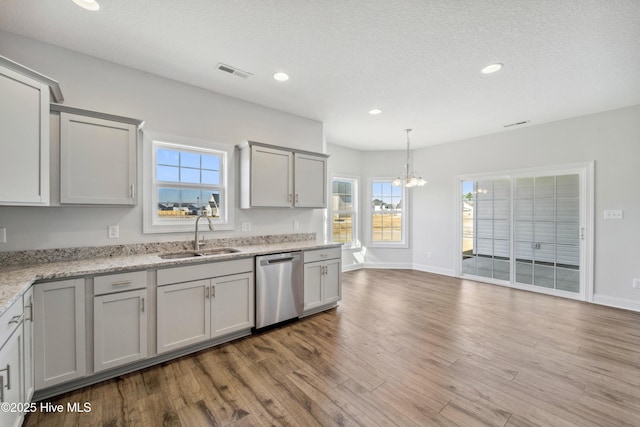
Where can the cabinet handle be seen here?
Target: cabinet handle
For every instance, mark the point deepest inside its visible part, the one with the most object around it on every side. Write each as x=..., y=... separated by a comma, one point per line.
x=132, y=191
x=121, y=283
x=8, y=386
x=206, y=292
x=15, y=319
x=290, y=197
x=213, y=291
x=296, y=197
x=142, y=301
x=324, y=255
x=30, y=307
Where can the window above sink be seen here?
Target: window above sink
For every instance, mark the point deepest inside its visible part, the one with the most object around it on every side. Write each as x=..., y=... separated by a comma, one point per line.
x=184, y=178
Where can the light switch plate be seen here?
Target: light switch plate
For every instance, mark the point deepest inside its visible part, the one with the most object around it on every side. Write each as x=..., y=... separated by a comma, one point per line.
x=246, y=226
x=3, y=235
x=636, y=283
x=613, y=214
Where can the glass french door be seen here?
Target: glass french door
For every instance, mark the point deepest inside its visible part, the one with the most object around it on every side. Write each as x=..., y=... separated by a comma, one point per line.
x=524, y=231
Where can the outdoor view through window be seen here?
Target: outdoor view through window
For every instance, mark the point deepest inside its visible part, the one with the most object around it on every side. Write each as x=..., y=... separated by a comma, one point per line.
x=188, y=183
x=386, y=212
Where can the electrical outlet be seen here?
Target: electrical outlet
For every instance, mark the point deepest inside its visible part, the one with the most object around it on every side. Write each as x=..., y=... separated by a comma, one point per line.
x=636, y=283
x=613, y=214
x=428, y=254
x=246, y=226
x=3, y=235
x=114, y=232
x=296, y=225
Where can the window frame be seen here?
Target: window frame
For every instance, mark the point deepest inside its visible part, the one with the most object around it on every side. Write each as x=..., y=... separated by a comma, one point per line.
x=404, y=242
x=355, y=181
x=152, y=223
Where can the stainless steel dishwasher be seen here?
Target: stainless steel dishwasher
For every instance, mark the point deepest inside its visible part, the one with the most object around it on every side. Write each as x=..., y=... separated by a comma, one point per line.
x=279, y=288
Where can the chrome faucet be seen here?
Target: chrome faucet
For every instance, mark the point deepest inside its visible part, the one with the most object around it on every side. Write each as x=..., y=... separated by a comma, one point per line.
x=196, y=243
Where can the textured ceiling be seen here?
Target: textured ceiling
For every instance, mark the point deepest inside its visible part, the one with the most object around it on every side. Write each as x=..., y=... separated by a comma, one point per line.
x=419, y=61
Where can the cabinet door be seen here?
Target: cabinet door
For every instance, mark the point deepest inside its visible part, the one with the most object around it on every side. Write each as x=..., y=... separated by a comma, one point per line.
x=313, y=285
x=310, y=181
x=28, y=355
x=97, y=161
x=271, y=177
x=24, y=140
x=10, y=378
x=232, y=301
x=59, y=329
x=331, y=278
x=184, y=314
x=119, y=329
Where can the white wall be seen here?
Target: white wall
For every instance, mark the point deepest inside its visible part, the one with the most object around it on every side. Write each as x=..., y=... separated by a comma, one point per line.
x=168, y=107
x=611, y=139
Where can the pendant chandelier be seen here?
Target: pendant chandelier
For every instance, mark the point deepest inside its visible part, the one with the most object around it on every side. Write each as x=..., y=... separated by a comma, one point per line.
x=407, y=177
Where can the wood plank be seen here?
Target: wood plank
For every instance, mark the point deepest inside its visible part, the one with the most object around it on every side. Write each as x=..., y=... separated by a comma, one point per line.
x=403, y=348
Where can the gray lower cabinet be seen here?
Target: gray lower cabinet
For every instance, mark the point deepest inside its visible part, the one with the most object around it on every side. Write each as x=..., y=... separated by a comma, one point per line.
x=119, y=329
x=232, y=303
x=218, y=301
x=59, y=332
x=192, y=312
x=28, y=354
x=184, y=315
x=11, y=360
x=322, y=282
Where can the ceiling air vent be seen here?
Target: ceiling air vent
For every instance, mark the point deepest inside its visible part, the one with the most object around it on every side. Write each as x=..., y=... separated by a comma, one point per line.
x=517, y=124
x=235, y=71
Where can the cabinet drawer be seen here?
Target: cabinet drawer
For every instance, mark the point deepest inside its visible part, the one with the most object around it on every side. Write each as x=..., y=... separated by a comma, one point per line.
x=188, y=273
x=322, y=254
x=119, y=282
x=10, y=320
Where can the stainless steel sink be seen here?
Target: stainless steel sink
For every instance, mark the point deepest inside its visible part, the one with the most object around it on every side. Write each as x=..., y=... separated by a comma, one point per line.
x=195, y=254
x=218, y=251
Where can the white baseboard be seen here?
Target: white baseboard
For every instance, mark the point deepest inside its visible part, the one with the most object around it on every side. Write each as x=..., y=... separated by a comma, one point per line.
x=390, y=266
x=617, y=302
x=352, y=267
x=435, y=270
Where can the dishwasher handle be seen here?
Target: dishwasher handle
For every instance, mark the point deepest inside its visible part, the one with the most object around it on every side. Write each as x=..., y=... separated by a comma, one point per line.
x=284, y=258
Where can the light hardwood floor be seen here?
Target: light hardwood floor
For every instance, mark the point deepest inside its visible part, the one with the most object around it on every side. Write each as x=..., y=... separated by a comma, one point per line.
x=403, y=348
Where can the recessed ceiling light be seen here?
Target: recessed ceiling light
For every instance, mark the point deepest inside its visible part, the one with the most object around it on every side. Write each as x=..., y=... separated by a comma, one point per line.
x=281, y=77
x=88, y=4
x=375, y=111
x=489, y=69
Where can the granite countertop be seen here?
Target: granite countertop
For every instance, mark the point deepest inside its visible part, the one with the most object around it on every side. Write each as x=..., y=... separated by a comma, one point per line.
x=16, y=279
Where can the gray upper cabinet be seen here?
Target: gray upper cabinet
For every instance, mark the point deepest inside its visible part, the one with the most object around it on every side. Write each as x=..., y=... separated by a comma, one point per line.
x=97, y=158
x=24, y=134
x=272, y=176
x=310, y=181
